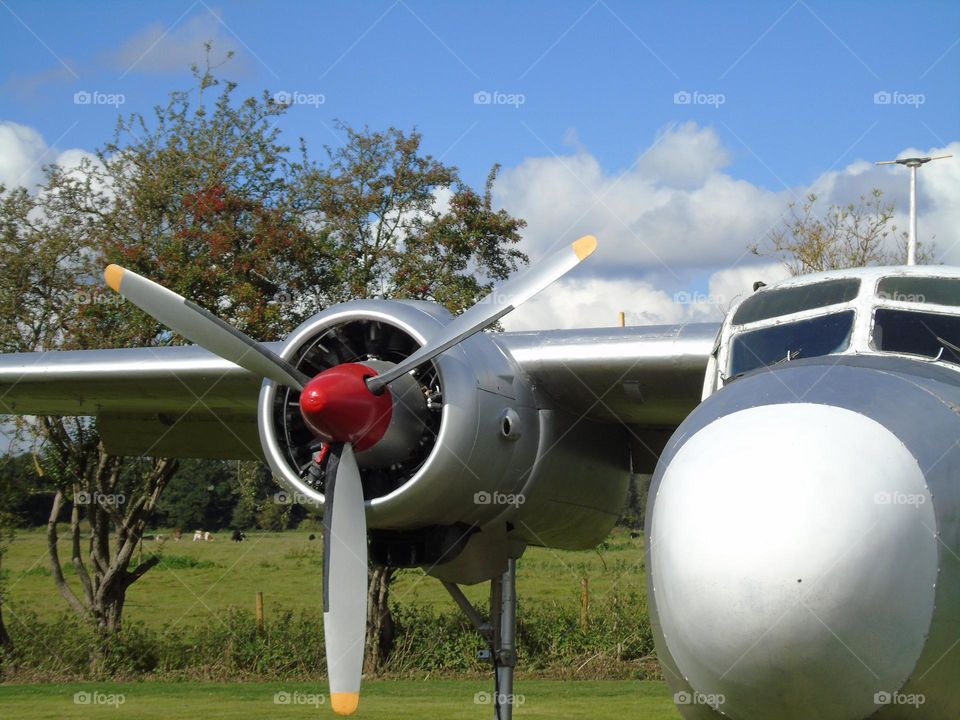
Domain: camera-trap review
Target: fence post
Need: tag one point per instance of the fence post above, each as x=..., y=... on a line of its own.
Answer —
x=584, y=603
x=259, y=613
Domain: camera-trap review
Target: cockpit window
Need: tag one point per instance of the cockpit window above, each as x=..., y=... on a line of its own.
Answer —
x=939, y=291
x=917, y=333
x=824, y=335
x=786, y=301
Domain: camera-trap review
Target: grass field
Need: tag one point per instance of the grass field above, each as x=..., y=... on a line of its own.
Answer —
x=383, y=700
x=197, y=580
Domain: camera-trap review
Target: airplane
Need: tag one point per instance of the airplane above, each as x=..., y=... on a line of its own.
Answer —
x=803, y=520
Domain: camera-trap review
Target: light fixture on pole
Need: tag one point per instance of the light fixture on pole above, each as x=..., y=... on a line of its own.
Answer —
x=913, y=163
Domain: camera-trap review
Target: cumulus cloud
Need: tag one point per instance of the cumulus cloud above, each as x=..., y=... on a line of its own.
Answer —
x=675, y=227
x=24, y=152
x=672, y=209
x=596, y=301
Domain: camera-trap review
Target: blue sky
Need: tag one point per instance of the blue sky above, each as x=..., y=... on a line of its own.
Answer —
x=782, y=93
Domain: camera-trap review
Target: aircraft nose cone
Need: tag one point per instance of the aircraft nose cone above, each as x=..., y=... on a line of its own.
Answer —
x=794, y=561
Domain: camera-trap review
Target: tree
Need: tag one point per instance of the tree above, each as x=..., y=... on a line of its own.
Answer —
x=195, y=197
x=201, y=495
x=843, y=236
x=204, y=198
x=378, y=198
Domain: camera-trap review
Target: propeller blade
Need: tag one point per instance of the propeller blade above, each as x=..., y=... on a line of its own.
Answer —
x=494, y=306
x=344, y=578
x=202, y=327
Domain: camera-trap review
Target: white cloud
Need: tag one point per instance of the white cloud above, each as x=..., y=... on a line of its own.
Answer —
x=595, y=302
x=672, y=209
x=24, y=152
x=158, y=48
x=674, y=228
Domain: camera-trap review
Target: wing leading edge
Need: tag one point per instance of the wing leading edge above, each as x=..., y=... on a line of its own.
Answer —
x=182, y=401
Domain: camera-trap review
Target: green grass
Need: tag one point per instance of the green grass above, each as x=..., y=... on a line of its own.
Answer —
x=454, y=699
x=198, y=580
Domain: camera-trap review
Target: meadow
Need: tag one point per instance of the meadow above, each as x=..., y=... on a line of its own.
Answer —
x=199, y=581
x=381, y=700
x=202, y=596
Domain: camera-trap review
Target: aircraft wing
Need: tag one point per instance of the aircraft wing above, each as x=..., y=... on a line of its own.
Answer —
x=184, y=401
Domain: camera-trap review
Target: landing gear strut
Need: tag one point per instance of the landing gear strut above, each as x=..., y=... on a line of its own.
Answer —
x=500, y=632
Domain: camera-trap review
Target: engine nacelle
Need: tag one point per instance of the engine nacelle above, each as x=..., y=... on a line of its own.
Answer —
x=480, y=431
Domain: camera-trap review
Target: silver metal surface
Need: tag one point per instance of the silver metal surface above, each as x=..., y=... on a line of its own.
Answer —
x=506, y=643
x=199, y=325
x=504, y=297
x=643, y=375
x=171, y=379
x=470, y=457
x=864, y=517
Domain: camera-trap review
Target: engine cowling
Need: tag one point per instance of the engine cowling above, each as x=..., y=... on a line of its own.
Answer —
x=463, y=428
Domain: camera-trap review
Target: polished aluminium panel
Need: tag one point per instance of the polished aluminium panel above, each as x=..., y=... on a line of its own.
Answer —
x=638, y=375
x=918, y=403
x=136, y=380
x=645, y=375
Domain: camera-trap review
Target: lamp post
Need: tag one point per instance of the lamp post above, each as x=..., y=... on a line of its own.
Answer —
x=913, y=163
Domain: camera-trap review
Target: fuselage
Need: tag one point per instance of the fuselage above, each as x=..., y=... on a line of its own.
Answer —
x=804, y=520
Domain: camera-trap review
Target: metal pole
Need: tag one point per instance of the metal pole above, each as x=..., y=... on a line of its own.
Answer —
x=912, y=246
x=507, y=649
x=913, y=163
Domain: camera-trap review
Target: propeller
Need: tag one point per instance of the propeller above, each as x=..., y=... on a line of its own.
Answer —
x=504, y=298
x=348, y=407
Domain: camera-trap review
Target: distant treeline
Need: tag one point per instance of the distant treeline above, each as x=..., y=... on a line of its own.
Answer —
x=212, y=495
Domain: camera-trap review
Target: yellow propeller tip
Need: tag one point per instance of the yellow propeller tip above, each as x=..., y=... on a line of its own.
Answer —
x=345, y=703
x=113, y=275
x=585, y=246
